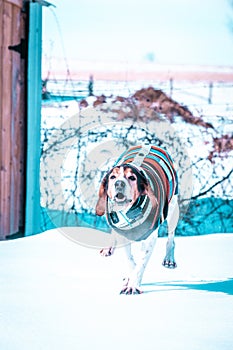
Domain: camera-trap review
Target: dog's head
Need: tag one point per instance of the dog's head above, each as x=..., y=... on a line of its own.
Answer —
x=123, y=185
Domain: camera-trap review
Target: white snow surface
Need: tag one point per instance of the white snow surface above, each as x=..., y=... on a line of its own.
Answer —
x=56, y=294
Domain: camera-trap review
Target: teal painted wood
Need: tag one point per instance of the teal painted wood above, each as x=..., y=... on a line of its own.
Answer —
x=32, y=222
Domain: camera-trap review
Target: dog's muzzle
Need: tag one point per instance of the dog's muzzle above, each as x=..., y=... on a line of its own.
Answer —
x=120, y=196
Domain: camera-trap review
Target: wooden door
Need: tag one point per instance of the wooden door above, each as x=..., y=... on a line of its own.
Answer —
x=12, y=117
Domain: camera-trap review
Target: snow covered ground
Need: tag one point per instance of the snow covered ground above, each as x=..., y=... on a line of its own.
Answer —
x=56, y=294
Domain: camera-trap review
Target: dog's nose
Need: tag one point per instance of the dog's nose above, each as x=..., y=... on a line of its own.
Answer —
x=119, y=185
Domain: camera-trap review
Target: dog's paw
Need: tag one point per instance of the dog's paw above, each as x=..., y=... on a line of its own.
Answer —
x=130, y=291
x=170, y=264
x=107, y=251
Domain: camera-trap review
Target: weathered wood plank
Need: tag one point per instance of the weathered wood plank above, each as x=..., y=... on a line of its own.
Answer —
x=1, y=103
x=5, y=167
x=12, y=118
x=22, y=130
x=16, y=112
x=17, y=3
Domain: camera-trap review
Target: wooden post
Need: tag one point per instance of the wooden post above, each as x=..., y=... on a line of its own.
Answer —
x=33, y=210
x=12, y=118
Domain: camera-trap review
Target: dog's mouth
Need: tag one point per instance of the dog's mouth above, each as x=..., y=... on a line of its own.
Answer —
x=120, y=198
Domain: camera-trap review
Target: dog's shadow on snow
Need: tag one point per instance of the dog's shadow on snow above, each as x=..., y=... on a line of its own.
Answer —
x=223, y=286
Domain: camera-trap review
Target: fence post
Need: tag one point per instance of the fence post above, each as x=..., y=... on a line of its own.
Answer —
x=171, y=86
x=210, y=93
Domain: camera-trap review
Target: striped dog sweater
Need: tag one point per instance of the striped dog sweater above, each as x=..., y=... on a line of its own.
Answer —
x=138, y=222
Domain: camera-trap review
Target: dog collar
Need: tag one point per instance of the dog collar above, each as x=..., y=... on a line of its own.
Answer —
x=129, y=218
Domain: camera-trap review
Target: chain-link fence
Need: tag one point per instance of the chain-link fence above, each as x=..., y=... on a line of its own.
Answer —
x=78, y=151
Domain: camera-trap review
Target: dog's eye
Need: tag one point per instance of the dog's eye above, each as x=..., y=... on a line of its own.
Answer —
x=132, y=178
x=112, y=177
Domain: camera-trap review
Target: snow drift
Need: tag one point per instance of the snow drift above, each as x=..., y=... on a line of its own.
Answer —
x=56, y=294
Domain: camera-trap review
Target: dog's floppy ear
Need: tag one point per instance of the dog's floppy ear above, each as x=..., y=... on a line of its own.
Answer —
x=101, y=204
x=149, y=192
x=145, y=188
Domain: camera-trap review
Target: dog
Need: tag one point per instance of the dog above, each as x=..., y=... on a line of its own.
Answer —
x=137, y=195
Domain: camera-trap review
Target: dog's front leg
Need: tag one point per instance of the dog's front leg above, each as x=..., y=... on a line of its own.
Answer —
x=133, y=281
x=109, y=250
x=172, y=221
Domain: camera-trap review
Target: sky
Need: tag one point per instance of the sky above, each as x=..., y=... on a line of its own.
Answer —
x=165, y=32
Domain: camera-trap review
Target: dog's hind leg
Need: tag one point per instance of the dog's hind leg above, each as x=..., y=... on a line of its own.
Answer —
x=172, y=221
